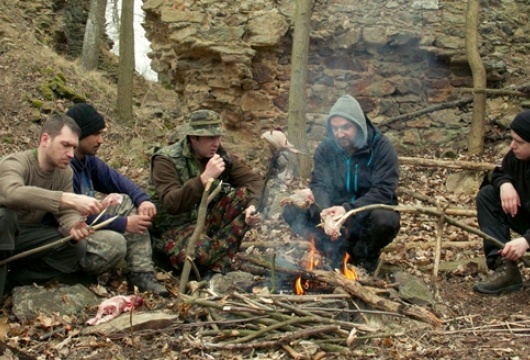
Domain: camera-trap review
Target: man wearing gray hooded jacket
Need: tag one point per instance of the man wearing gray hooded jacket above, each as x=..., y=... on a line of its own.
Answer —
x=354, y=166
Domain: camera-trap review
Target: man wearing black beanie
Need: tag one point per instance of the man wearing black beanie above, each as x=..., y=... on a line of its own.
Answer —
x=127, y=237
x=504, y=205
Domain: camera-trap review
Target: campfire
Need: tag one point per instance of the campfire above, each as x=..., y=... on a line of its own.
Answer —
x=300, y=287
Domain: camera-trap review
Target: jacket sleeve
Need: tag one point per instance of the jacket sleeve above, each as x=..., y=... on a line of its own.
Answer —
x=502, y=174
x=107, y=180
x=321, y=181
x=176, y=197
x=385, y=177
x=242, y=176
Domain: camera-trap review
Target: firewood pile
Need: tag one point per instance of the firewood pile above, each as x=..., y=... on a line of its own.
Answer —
x=330, y=317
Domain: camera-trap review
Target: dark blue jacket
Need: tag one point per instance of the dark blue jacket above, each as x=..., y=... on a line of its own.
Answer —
x=369, y=176
x=92, y=174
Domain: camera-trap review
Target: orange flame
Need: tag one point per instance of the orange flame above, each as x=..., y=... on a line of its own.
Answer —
x=350, y=274
x=298, y=286
x=311, y=261
x=310, y=264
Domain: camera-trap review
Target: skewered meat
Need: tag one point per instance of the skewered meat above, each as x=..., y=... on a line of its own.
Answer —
x=278, y=141
x=111, y=308
x=112, y=199
x=331, y=227
x=301, y=198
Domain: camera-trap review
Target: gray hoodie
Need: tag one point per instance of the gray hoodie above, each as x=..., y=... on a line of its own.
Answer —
x=347, y=107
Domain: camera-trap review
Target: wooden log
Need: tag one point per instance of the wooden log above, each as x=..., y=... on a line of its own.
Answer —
x=362, y=292
x=447, y=105
x=449, y=164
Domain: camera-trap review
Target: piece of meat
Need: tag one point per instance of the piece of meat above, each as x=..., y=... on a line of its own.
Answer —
x=278, y=141
x=301, y=198
x=112, y=199
x=331, y=227
x=111, y=308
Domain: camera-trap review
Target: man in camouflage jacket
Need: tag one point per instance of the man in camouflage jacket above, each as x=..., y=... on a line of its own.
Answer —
x=179, y=173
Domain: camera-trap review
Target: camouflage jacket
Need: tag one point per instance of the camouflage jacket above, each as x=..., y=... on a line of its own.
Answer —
x=176, y=189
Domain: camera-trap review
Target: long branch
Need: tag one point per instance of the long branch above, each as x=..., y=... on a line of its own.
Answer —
x=56, y=243
x=190, y=249
x=429, y=211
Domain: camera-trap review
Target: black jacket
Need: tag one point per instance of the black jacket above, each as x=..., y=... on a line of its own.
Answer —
x=517, y=172
x=369, y=176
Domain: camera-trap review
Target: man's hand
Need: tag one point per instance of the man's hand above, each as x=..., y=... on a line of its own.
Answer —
x=214, y=168
x=80, y=231
x=147, y=208
x=251, y=216
x=515, y=249
x=334, y=212
x=510, y=199
x=138, y=224
x=85, y=205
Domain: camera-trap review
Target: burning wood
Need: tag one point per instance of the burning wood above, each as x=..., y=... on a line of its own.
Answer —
x=301, y=286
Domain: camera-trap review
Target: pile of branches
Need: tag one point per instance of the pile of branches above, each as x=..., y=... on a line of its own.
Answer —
x=323, y=322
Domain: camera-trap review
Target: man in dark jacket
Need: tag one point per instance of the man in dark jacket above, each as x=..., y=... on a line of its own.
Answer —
x=356, y=165
x=107, y=248
x=504, y=205
x=179, y=173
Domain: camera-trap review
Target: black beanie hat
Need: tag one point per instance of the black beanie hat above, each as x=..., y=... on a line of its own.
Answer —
x=88, y=119
x=521, y=125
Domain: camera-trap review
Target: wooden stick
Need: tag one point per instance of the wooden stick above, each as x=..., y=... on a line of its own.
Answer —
x=356, y=289
x=190, y=249
x=449, y=164
x=273, y=273
x=56, y=243
x=437, y=252
x=497, y=92
x=429, y=211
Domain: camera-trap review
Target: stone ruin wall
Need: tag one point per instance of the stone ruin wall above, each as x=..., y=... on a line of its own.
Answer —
x=395, y=57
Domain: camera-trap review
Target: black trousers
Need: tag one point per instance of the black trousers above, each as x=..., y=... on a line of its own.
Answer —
x=363, y=235
x=493, y=221
x=40, y=267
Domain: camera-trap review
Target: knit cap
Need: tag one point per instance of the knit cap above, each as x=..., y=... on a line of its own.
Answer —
x=348, y=108
x=88, y=119
x=521, y=125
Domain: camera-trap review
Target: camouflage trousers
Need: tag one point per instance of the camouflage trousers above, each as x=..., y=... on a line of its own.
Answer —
x=224, y=230
x=106, y=249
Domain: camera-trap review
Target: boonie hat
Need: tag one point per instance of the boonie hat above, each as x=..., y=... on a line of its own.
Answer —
x=203, y=123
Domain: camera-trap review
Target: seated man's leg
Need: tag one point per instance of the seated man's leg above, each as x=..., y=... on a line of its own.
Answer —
x=8, y=232
x=369, y=234
x=494, y=222
x=105, y=249
x=46, y=265
x=176, y=243
x=139, y=254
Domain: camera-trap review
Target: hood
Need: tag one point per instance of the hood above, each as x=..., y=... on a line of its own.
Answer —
x=347, y=107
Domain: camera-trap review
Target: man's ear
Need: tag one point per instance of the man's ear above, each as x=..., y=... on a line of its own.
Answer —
x=45, y=139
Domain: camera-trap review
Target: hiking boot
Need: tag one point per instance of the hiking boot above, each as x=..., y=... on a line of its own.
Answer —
x=506, y=278
x=146, y=281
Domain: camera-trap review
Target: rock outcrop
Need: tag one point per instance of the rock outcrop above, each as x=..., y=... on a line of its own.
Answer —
x=395, y=57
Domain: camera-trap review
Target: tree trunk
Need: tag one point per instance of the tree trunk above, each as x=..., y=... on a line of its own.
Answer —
x=95, y=27
x=126, y=65
x=475, y=138
x=297, y=132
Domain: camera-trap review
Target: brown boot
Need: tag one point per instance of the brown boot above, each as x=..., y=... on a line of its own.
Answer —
x=506, y=278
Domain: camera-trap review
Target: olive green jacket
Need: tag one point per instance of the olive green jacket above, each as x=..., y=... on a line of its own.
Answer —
x=176, y=189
